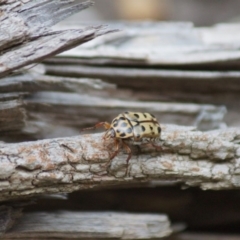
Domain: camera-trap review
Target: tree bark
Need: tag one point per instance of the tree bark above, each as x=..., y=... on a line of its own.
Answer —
x=179, y=45
x=26, y=28
x=85, y=225
x=206, y=159
x=32, y=103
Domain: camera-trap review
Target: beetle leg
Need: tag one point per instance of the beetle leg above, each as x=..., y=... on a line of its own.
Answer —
x=152, y=143
x=158, y=148
x=129, y=151
x=106, y=125
x=116, y=146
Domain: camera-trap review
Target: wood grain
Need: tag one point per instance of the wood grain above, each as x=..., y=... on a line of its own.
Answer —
x=191, y=157
x=85, y=225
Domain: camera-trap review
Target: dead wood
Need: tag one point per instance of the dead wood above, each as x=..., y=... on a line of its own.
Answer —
x=166, y=44
x=34, y=82
x=8, y=216
x=12, y=112
x=26, y=29
x=206, y=159
x=85, y=225
x=201, y=81
x=203, y=236
x=170, y=62
x=35, y=114
x=34, y=102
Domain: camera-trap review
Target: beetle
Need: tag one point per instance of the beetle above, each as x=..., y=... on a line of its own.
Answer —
x=131, y=127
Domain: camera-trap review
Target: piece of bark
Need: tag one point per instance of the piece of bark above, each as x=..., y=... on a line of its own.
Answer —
x=44, y=109
x=85, y=225
x=34, y=82
x=8, y=216
x=169, y=86
x=192, y=206
x=36, y=40
x=46, y=99
x=141, y=79
x=12, y=112
x=172, y=82
x=90, y=109
x=178, y=44
x=203, y=236
x=10, y=212
x=15, y=116
x=206, y=159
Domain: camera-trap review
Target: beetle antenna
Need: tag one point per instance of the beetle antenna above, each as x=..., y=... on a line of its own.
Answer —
x=98, y=125
x=86, y=129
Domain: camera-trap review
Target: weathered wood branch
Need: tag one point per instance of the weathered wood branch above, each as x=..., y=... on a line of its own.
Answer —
x=89, y=108
x=27, y=29
x=178, y=44
x=209, y=160
x=206, y=81
x=203, y=236
x=12, y=112
x=187, y=63
x=33, y=82
x=35, y=101
x=8, y=216
x=84, y=225
x=35, y=113
x=15, y=112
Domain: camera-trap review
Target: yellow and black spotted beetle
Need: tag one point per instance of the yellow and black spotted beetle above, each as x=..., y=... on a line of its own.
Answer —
x=133, y=127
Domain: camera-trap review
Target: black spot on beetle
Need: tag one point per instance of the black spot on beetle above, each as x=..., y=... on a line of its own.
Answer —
x=123, y=124
x=152, y=115
x=115, y=124
x=122, y=135
x=129, y=130
x=126, y=112
x=136, y=115
x=145, y=115
x=143, y=128
x=159, y=129
x=151, y=127
x=122, y=118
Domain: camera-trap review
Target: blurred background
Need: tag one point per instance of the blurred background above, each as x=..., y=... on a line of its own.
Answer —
x=201, y=13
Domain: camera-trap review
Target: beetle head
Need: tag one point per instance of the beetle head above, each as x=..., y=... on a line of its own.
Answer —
x=110, y=133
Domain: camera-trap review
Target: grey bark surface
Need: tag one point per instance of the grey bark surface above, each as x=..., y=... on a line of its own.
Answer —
x=12, y=112
x=31, y=104
x=164, y=44
x=8, y=216
x=150, y=78
x=182, y=63
x=85, y=225
x=209, y=160
x=31, y=36
x=203, y=236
